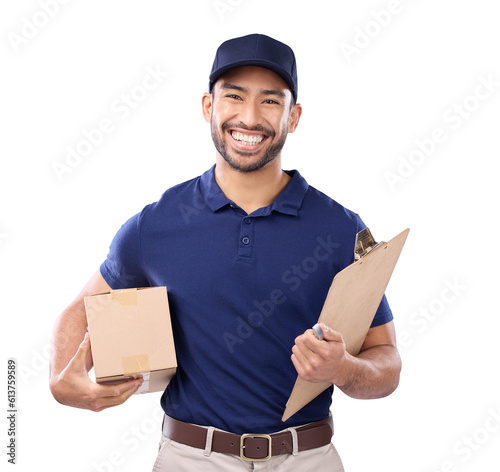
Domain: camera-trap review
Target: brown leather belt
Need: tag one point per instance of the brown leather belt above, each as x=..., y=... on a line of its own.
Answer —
x=251, y=447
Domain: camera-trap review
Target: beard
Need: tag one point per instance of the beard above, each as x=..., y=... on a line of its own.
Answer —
x=271, y=153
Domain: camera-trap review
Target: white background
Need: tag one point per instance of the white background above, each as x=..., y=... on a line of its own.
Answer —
x=371, y=84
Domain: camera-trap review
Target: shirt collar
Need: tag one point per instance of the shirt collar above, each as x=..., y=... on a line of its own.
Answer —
x=287, y=202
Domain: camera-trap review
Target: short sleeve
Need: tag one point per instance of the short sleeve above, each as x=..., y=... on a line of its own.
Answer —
x=123, y=266
x=383, y=314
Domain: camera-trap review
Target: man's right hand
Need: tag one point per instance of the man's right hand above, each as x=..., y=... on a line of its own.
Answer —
x=73, y=386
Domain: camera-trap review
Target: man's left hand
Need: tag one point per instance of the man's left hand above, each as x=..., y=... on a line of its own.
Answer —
x=320, y=361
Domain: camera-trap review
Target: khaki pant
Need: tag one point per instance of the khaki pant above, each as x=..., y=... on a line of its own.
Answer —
x=176, y=457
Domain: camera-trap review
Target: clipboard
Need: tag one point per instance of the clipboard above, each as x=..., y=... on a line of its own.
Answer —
x=351, y=304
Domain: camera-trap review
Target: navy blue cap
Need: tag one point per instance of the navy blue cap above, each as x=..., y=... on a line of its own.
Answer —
x=256, y=50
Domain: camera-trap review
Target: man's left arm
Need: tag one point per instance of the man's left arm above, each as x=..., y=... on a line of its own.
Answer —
x=373, y=373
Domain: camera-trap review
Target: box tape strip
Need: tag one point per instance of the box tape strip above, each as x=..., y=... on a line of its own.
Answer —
x=125, y=297
x=135, y=364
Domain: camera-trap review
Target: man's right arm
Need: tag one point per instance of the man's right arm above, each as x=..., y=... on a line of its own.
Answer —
x=71, y=359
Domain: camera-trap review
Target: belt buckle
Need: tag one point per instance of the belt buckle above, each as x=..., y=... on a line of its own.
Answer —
x=242, y=446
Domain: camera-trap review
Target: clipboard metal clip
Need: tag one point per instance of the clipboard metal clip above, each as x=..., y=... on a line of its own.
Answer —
x=365, y=244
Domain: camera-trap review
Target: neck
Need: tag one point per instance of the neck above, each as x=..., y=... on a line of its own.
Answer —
x=252, y=190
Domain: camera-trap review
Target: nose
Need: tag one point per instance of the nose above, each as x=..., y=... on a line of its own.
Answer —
x=249, y=114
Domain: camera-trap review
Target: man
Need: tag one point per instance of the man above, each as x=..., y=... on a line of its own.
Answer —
x=247, y=252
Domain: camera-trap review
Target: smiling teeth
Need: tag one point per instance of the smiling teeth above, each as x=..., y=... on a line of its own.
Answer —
x=245, y=139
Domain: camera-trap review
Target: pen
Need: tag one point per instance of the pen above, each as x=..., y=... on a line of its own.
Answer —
x=318, y=331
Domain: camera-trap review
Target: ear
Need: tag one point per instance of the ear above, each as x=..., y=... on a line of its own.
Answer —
x=206, y=105
x=294, y=118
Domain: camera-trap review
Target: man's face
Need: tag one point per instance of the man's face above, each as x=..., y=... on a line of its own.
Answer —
x=250, y=114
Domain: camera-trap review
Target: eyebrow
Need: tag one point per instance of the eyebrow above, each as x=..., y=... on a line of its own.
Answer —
x=279, y=93
x=230, y=86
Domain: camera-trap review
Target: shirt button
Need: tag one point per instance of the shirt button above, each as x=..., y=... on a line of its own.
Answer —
x=247, y=220
x=245, y=240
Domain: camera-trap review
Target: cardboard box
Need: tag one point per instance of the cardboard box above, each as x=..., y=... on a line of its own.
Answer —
x=131, y=337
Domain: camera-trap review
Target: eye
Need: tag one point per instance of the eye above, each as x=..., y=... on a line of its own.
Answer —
x=233, y=95
x=272, y=102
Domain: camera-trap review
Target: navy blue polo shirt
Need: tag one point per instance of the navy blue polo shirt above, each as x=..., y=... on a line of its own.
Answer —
x=241, y=288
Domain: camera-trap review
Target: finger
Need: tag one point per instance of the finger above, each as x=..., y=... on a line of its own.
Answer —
x=299, y=361
x=108, y=396
x=330, y=334
x=310, y=341
x=300, y=355
x=296, y=363
x=304, y=364
x=115, y=401
x=304, y=356
x=115, y=391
